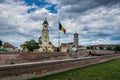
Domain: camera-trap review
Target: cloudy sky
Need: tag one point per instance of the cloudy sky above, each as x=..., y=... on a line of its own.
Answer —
x=96, y=21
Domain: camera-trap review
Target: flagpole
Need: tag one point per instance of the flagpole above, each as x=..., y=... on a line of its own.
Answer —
x=59, y=37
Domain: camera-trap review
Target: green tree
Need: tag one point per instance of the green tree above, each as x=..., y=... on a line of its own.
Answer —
x=58, y=49
x=101, y=47
x=117, y=48
x=109, y=48
x=88, y=47
x=31, y=45
x=0, y=43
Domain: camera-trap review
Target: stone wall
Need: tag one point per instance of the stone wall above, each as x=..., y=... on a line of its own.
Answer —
x=35, y=69
x=4, y=58
x=8, y=58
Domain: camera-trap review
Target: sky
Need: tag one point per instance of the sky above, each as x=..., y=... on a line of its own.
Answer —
x=96, y=21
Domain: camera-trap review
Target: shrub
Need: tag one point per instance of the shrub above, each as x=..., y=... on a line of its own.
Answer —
x=12, y=62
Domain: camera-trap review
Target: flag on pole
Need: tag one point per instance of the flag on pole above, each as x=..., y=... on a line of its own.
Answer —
x=62, y=28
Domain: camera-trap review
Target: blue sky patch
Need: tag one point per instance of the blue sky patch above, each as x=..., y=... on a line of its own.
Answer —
x=31, y=10
x=52, y=8
x=41, y=4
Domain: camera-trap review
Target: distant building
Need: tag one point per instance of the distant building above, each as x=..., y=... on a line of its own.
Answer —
x=64, y=47
x=44, y=43
x=23, y=48
x=103, y=46
x=9, y=47
x=80, y=47
x=76, y=40
x=73, y=46
x=70, y=46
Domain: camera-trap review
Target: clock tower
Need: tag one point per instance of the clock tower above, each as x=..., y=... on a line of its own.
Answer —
x=44, y=43
x=45, y=33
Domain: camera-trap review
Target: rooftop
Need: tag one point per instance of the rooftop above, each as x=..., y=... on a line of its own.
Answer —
x=8, y=45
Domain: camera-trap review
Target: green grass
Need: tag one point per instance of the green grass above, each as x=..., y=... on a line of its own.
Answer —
x=104, y=71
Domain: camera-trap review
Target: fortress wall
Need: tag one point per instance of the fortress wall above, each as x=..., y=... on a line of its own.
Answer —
x=8, y=58
x=29, y=70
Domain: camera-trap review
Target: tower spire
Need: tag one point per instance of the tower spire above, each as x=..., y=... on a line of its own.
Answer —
x=45, y=21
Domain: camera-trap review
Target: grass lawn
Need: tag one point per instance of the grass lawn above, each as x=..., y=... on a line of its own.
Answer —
x=104, y=71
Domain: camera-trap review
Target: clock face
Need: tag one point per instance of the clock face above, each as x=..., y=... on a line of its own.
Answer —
x=45, y=26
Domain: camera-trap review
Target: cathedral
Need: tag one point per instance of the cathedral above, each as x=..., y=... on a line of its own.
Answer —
x=44, y=43
x=46, y=46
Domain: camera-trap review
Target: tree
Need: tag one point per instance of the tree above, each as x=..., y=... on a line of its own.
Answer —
x=117, y=48
x=88, y=47
x=0, y=43
x=58, y=49
x=109, y=48
x=101, y=47
x=31, y=45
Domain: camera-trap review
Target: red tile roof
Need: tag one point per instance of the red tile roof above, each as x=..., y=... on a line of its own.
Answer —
x=22, y=45
x=64, y=44
x=80, y=46
x=7, y=45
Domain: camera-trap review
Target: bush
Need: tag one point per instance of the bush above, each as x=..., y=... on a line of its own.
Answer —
x=12, y=62
x=117, y=48
x=3, y=50
x=109, y=48
x=58, y=49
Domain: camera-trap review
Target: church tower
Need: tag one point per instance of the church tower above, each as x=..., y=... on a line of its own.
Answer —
x=76, y=40
x=44, y=43
x=45, y=33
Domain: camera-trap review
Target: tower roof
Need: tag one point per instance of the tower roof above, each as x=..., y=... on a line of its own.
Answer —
x=76, y=34
x=45, y=21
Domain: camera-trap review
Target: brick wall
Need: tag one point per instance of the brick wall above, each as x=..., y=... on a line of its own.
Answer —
x=24, y=71
x=7, y=58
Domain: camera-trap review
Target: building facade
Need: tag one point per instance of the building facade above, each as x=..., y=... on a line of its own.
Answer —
x=44, y=43
x=9, y=47
x=23, y=48
x=73, y=46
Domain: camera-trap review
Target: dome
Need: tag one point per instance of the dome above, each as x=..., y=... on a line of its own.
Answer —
x=45, y=22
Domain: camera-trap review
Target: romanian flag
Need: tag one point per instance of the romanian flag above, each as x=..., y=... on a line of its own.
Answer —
x=62, y=28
